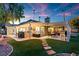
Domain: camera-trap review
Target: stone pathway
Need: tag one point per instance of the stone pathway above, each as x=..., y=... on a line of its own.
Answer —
x=47, y=48
x=6, y=50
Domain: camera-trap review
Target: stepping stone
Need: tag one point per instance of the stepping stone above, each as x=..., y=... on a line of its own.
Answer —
x=50, y=52
x=47, y=47
x=44, y=45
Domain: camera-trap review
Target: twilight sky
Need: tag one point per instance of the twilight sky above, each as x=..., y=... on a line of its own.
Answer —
x=53, y=10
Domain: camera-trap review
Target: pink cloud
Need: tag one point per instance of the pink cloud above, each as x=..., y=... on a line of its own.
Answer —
x=43, y=7
x=40, y=8
x=43, y=14
x=66, y=14
x=28, y=16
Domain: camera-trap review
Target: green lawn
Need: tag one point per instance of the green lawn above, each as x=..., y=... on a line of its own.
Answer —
x=34, y=47
x=27, y=48
x=61, y=47
x=74, y=44
x=58, y=46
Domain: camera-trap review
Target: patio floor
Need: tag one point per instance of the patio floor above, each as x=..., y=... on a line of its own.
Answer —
x=44, y=37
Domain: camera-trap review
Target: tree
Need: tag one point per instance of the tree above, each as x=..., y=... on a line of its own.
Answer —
x=75, y=23
x=19, y=12
x=10, y=12
x=3, y=16
x=16, y=11
x=47, y=21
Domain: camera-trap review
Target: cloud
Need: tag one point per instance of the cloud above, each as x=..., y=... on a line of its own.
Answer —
x=43, y=14
x=66, y=14
x=61, y=5
x=40, y=8
x=28, y=16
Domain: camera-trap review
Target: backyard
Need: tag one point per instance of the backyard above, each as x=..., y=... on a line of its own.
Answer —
x=27, y=48
x=34, y=47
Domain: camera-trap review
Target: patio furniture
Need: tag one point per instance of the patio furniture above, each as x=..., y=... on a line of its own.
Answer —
x=36, y=35
x=21, y=35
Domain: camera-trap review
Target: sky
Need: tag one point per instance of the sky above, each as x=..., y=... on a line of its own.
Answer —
x=53, y=10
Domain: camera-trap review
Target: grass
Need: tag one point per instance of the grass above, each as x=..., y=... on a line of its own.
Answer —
x=74, y=44
x=27, y=48
x=61, y=47
x=58, y=46
x=34, y=47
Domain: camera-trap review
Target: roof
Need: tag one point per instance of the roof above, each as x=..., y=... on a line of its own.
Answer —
x=55, y=24
x=49, y=24
x=28, y=21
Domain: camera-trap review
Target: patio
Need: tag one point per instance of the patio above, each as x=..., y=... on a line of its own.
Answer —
x=44, y=37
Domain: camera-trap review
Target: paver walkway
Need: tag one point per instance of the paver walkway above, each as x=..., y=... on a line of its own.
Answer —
x=5, y=50
x=47, y=48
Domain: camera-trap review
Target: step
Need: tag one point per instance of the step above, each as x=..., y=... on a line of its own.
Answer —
x=44, y=45
x=47, y=47
x=50, y=52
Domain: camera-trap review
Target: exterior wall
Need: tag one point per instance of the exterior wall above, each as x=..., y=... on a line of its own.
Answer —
x=9, y=30
x=36, y=28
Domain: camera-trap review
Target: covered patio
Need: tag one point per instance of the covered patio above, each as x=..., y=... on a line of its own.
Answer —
x=32, y=29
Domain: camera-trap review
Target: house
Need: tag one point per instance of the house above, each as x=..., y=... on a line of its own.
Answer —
x=36, y=28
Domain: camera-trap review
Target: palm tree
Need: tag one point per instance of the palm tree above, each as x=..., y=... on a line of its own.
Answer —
x=47, y=21
x=16, y=11
x=19, y=12
x=3, y=16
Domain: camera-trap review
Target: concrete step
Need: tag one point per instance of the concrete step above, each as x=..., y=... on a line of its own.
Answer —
x=47, y=47
x=50, y=52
